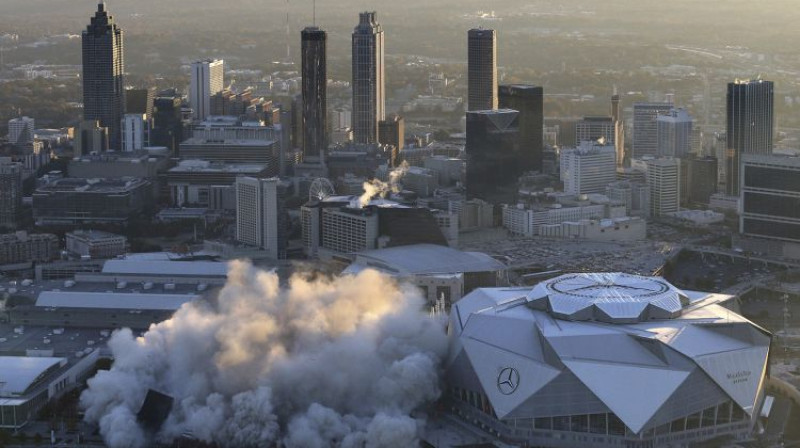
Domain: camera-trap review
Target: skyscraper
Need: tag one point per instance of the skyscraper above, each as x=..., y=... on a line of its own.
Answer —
x=392, y=132
x=314, y=90
x=261, y=215
x=369, y=90
x=103, y=74
x=702, y=179
x=494, y=158
x=528, y=100
x=771, y=199
x=749, y=125
x=481, y=69
x=10, y=193
x=592, y=129
x=135, y=132
x=21, y=130
x=664, y=180
x=674, y=133
x=588, y=168
x=207, y=79
x=139, y=101
x=645, y=129
x=167, y=124
x=619, y=130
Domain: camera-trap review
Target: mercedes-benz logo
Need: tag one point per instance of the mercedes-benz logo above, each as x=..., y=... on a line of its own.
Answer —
x=508, y=381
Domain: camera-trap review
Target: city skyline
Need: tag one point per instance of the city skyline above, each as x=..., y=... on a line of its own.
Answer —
x=425, y=230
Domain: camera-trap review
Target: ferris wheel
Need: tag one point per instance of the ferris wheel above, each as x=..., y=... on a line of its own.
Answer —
x=320, y=189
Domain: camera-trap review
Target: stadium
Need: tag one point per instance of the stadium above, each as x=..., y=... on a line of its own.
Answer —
x=605, y=360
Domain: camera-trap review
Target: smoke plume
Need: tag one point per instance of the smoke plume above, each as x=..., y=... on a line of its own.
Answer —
x=349, y=362
x=377, y=187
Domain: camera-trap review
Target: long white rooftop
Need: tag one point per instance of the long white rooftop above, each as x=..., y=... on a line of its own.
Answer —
x=113, y=300
x=18, y=373
x=166, y=268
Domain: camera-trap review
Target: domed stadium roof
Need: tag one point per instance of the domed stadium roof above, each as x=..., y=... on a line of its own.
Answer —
x=608, y=297
x=635, y=347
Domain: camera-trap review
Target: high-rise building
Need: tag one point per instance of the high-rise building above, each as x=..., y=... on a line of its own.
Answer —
x=674, y=133
x=260, y=215
x=481, y=69
x=135, y=132
x=770, y=197
x=619, y=130
x=90, y=138
x=207, y=79
x=369, y=91
x=21, y=130
x=392, y=132
x=314, y=91
x=664, y=180
x=494, y=158
x=749, y=125
x=10, y=193
x=139, y=101
x=528, y=100
x=645, y=128
x=592, y=129
x=167, y=122
x=588, y=168
x=103, y=74
x=702, y=179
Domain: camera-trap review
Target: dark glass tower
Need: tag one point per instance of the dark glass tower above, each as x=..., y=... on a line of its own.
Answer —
x=528, y=100
x=494, y=157
x=749, y=125
x=369, y=91
x=481, y=70
x=103, y=74
x=314, y=73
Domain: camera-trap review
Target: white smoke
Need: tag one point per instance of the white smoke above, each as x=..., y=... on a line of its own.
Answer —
x=377, y=187
x=331, y=362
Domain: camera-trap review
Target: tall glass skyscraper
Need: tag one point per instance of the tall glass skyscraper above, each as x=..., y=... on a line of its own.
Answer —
x=481, y=69
x=369, y=92
x=749, y=125
x=528, y=100
x=103, y=74
x=314, y=91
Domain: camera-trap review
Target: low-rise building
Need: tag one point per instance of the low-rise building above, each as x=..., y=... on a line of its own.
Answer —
x=618, y=229
x=208, y=184
x=81, y=201
x=96, y=244
x=21, y=247
x=522, y=221
x=442, y=273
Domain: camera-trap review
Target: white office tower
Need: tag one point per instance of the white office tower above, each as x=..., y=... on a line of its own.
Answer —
x=20, y=130
x=663, y=178
x=674, y=133
x=207, y=79
x=588, y=168
x=135, y=132
x=258, y=214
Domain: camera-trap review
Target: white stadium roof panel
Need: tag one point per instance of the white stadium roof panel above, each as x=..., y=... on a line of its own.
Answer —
x=425, y=259
x=18, y=373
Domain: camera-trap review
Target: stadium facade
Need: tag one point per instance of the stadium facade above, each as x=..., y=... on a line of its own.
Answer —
x=605, y=360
